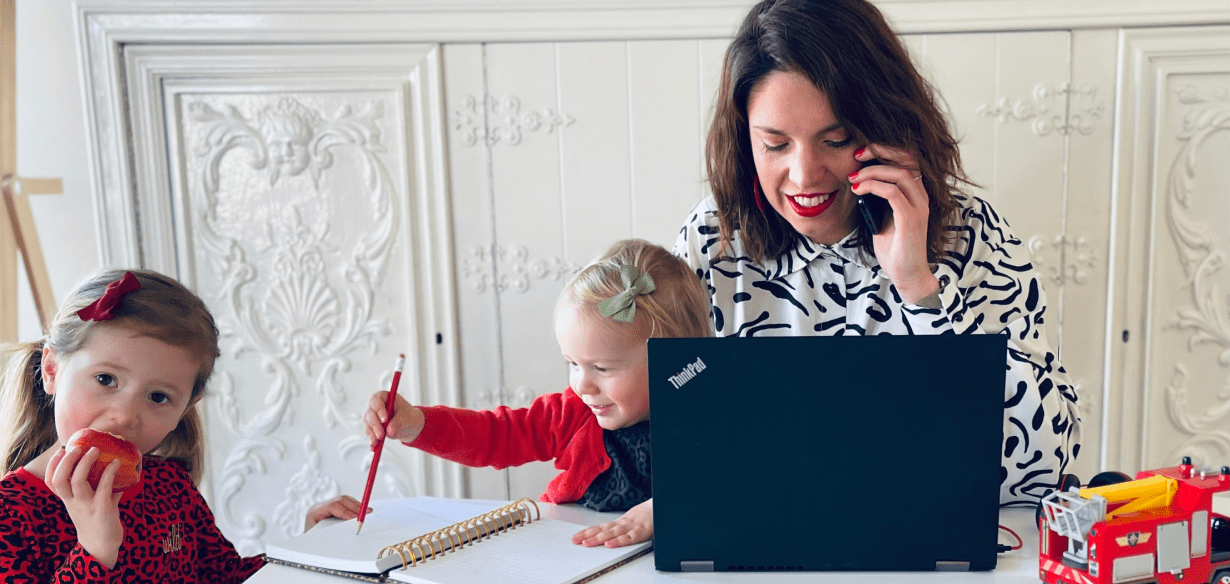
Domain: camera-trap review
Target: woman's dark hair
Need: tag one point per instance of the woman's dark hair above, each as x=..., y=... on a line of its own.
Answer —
x=852, y=56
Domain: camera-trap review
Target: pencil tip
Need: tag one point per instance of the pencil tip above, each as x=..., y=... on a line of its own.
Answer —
x=360, y=528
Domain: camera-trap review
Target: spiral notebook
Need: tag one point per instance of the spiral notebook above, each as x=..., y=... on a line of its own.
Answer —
x=427, y=540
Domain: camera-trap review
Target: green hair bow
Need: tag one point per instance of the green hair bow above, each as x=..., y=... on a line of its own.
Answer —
x=622, y=306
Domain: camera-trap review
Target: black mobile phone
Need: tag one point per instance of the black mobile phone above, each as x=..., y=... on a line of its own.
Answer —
x=872, y=207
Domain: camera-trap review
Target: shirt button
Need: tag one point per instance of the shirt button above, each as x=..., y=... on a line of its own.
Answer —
x=957, y=318
x=943, y=281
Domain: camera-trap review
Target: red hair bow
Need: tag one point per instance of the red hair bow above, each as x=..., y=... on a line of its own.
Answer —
x=104, y=307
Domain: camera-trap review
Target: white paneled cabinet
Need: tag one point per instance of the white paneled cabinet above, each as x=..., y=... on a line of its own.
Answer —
x=425, y=178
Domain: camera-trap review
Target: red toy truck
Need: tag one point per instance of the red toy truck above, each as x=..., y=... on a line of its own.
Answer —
x=1158, y=528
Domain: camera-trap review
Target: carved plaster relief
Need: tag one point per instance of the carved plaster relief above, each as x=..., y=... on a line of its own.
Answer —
x=501, y=121
x=1076, y=258
x=519, y=397
x=1205, y=320
x=1064, y=109
x=509, y=268
x=306, y=487
x=297, y=289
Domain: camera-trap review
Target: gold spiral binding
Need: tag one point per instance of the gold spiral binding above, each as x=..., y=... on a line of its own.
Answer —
x=457, y=535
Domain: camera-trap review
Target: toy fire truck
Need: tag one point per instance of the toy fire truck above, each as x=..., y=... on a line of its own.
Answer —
x=1158, y=528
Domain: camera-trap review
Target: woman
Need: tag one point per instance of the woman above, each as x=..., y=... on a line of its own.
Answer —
x=818, y=107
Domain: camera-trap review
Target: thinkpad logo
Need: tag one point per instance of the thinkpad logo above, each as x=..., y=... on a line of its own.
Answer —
x=687, y=374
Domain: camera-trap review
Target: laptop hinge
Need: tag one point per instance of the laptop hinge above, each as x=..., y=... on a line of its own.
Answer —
x=949, y=566
x=696, y=565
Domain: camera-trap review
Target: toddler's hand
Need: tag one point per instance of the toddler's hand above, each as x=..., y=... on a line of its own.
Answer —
x=634, y=527
x=405, y=426
x=96, y=514
x=344, y=507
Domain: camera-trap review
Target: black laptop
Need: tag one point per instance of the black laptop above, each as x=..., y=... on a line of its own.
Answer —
x=827, y=453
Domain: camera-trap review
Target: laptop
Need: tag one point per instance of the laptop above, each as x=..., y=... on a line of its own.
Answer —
x=826, y=453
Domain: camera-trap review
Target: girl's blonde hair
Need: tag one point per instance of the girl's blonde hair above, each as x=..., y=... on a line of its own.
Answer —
x=161, y=309
x=678, y=307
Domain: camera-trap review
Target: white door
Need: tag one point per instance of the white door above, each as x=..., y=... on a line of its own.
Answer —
x=299, y=191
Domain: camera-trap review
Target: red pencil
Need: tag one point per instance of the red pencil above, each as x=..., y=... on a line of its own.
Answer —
x=371, y=472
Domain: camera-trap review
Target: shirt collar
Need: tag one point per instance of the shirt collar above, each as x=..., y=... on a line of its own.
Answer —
x=806, y=251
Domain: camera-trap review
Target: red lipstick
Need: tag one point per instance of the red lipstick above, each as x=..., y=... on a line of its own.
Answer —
x=812, y=211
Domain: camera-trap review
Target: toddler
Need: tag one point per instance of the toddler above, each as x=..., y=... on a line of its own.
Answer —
x=596, y=430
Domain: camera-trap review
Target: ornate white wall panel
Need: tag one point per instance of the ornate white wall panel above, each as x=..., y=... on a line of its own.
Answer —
x=1169, y=394
x=300, y=191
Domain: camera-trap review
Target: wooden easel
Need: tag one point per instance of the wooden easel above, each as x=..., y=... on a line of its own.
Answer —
x=18, y=235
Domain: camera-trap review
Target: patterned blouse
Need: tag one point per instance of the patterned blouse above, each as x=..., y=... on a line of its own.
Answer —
x=987, y=286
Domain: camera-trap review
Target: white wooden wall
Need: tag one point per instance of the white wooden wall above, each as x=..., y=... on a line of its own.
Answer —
x=454, y=172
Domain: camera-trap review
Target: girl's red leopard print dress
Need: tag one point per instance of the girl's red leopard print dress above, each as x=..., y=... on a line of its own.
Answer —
x=169, y=534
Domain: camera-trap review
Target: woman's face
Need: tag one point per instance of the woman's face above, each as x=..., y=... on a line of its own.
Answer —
x=803, y=156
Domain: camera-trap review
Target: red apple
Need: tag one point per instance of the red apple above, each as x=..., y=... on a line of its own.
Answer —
x=110, y=447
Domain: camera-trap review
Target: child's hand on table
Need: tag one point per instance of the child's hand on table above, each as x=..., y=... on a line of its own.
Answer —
x=634, y=527
x=344, y=507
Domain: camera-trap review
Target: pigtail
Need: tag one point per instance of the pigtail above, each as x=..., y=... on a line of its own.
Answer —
x=27, y=413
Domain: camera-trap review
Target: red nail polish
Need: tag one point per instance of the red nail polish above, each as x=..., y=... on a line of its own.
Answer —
x=854, y=186
x=859, y=152
x=852, y=175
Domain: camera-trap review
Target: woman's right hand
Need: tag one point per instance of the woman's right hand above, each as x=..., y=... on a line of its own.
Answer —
x=901, y=246
x=95, y=513
x=405, y=425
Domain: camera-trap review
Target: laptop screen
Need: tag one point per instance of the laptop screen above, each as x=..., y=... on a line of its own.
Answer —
x=826, y=453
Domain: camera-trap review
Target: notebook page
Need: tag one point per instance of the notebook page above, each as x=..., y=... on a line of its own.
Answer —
x=539, y=553
x=336, y=547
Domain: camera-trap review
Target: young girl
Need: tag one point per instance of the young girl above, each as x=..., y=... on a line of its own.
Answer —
x=597, y=430
x=129, y=353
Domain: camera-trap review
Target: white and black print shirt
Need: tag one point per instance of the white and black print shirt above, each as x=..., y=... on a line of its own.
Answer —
x=987, y=287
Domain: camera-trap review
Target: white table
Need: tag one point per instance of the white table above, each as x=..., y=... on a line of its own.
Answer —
x=1014, y=567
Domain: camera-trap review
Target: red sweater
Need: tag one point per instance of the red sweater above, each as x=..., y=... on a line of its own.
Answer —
x=169, y=534
x=556, y=426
